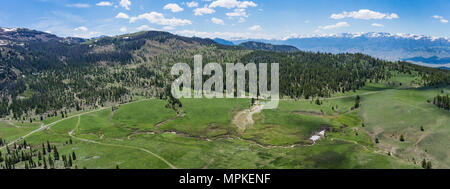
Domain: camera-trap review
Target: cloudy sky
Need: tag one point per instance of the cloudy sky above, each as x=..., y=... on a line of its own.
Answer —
x=228, y=18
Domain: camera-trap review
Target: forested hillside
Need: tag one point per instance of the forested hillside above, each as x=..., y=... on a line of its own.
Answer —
x=42, y=75
x=322, y=74
x=268, y=47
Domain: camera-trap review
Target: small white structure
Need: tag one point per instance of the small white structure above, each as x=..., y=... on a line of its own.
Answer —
x=316, y=137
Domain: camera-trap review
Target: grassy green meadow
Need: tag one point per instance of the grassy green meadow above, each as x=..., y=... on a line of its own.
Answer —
x=147, y=135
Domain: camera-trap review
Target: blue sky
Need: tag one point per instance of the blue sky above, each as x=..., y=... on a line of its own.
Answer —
x=229, y=18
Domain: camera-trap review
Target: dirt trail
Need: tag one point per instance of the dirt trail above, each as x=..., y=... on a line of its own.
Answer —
x=48, y=126
x=171, y=119
x=350, y=141
x=421, y=138
x=156, y=126
x=117, y=145
x=76, y=126
x=129, y=147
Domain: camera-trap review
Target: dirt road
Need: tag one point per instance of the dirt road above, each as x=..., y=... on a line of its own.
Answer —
x=43, y=127
x=71, y=134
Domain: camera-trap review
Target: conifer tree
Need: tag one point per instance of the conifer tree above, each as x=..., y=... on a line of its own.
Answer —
x=424, y=163
x=45, y=164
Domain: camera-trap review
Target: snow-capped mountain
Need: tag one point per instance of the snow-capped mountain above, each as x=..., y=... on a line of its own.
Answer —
x=371, y=35
x=387, y=46
x=8, y=29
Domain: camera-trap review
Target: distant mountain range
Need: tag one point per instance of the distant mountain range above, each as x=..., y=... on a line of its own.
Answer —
x=223, y=41
x=420, y=49
x=433, y=61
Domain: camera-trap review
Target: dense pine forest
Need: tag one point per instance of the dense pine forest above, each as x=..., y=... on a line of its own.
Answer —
x=42, y=75
x=442, y=102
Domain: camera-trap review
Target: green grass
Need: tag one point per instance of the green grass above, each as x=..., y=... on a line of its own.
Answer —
x=207, y=117
x=10, y=132
x=143, y=115
x=192, y=152
x=393, y=113
x=95, y=156
x=337, y=155
x=398, y=80
x=282, y=126
x=207, y=138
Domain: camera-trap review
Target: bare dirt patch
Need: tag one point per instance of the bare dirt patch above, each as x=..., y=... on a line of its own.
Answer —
x=244, y=119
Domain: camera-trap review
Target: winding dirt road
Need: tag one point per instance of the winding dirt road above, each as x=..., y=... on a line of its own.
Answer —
x=118, y=145
x=44, y=127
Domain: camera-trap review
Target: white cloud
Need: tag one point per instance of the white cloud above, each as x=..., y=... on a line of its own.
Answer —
x=168, y=28
x=217, y=21
x=104, y=4
x=334, y=26
x=81, y=28
x=440, y=18
x=365, y=14
x=237, y=13
x=123, y=29
x=255, y=28
x=377, y=25
x=78, y=5
x=245, y=4
x=229, y=4
x=203, y=11
x=125, y=4
x=144, y=28
x=158, y=18
x=122, y=15
x=224, y=35
x=86, y=34
x=173, y=7
x=192, y=4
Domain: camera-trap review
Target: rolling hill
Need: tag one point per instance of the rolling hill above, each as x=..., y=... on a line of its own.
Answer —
x=268, y=47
